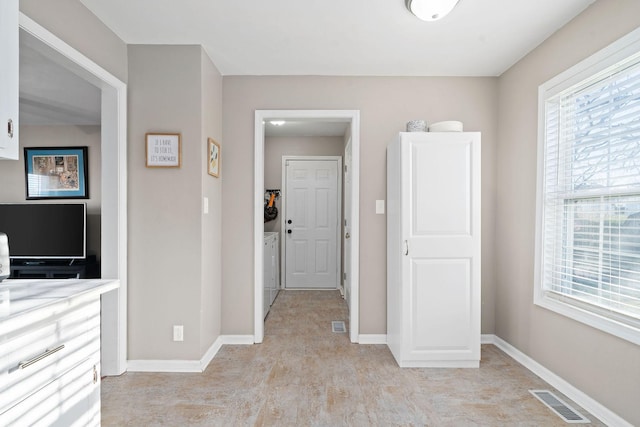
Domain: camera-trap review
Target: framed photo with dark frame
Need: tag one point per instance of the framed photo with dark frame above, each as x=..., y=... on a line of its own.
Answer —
x=56, y=173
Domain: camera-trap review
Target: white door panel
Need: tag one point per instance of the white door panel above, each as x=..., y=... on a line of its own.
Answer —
x=450, y=279
x=441, y=209
x=311, y=237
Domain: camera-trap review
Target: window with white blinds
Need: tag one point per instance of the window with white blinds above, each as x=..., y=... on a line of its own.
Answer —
x=588, y=254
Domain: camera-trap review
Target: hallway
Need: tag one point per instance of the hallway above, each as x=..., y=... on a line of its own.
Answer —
x=303, y=374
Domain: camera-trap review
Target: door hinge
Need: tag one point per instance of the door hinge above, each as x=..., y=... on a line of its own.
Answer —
x=344, y=276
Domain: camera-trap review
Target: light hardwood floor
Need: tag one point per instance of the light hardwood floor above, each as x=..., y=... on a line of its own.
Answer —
x=305, y=375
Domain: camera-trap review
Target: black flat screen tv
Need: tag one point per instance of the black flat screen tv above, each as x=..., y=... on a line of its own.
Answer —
x=45, y=231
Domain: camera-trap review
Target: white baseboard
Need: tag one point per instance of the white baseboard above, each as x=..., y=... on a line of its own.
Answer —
x=593, y=406
x=188, y=365
x=372, y=339
x=487, y=339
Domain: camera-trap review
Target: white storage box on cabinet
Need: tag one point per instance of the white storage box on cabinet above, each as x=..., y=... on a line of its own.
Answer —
x=433, y=249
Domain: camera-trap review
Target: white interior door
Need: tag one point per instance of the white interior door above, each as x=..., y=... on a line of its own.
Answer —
x=348, y=166
x=311, y=220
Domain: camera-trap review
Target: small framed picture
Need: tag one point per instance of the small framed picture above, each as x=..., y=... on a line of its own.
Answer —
x=213, y=157
x=163, y=150
x=56, y=173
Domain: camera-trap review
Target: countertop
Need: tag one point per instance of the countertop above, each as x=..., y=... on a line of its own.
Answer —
x=22, y=301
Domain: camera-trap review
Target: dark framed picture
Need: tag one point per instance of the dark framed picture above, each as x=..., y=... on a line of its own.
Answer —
x=56, y=173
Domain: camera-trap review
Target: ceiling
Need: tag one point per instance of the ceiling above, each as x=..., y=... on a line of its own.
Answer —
x=343, y=37
x=310, y=37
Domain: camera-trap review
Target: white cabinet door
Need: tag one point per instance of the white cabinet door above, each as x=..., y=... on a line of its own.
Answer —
x=9, y=90
x=434, y=315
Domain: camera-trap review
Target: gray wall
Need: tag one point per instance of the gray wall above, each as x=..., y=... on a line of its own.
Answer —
x=385, y=105
x=170, y=240
x=604, y=367
x=12, y=175
x=276, y=147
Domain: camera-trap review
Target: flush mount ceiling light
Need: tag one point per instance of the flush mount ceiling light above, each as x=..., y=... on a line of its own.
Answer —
x=277, y=122
x=431, y=10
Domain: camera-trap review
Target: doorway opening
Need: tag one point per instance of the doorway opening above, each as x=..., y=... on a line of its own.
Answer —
x=350, y=120
x=113, y=160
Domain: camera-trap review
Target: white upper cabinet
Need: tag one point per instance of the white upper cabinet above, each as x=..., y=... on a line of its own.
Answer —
x=9, y=88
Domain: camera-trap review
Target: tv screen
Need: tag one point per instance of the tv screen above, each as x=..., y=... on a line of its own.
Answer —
x=45, y=231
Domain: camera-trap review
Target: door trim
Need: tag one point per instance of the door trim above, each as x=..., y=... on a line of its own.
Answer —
x=283, y=225
x=351, y=116
x=114, y=192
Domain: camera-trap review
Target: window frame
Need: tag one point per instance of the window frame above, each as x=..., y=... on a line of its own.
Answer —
x=593, y=316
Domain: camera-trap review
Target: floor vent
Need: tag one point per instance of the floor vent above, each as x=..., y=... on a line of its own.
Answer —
x=338, y=327
x=564, y=411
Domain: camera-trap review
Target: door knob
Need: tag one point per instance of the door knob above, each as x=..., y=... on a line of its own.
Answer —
x=347, y=236
x=289, y=231
x=289, y=222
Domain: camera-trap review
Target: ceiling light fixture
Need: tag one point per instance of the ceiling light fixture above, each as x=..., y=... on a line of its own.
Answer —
x=431, y=10
x=277, y=122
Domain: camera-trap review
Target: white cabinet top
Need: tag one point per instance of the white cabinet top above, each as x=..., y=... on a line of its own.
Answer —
x=26, y=301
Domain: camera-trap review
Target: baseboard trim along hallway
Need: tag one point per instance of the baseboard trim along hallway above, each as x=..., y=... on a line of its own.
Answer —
x=189, y=365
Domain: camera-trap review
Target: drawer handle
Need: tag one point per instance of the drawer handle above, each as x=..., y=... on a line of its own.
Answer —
x=38, y=358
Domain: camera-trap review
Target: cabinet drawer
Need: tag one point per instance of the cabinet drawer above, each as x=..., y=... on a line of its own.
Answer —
x=71, y=400
x=34, y=358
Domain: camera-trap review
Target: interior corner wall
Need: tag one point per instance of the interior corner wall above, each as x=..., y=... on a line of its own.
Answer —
x=211, y=294
x=604, y=367
x=165, y=205
x=385, y=104
x=76, y=25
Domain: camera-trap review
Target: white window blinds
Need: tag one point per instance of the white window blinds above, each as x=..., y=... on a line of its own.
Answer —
x=591, y=193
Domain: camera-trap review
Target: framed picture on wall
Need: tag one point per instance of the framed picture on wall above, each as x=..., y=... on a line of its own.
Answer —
x=56, y=173
x=213, y=157
x=163, y=150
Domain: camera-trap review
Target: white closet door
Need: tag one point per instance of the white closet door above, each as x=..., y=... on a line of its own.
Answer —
x=441, y=265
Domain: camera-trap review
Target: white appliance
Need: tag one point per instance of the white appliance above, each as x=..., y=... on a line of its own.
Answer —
x=271, y=280
x=433, y=249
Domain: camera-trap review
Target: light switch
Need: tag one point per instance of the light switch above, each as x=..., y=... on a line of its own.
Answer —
x=380, y=207
x=206, y=205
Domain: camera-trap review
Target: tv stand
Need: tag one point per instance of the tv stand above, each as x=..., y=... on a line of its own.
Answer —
x=87, y=268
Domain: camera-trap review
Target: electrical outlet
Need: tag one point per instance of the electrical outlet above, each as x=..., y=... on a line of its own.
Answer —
x=178, y=333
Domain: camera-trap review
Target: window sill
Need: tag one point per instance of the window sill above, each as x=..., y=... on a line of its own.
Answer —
x=559, y=305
